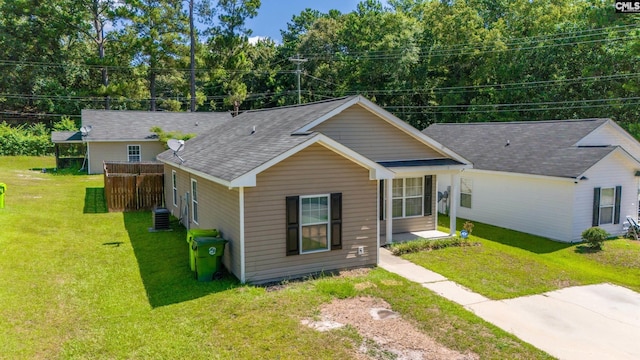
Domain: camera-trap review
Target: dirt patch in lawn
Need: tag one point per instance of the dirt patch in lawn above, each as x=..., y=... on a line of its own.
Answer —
x=385, y=334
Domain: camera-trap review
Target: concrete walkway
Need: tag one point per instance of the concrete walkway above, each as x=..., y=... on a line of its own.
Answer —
x=582, y=322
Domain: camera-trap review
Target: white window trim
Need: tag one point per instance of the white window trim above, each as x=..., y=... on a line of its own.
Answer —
x=328, y=223
x=470, y=182
x=404, y=198
x=612, y=206
x=129, y=152
x=174, y=187
x=194, y=201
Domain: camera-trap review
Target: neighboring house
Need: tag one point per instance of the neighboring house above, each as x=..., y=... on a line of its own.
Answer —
x=304, y=189
x=126, y=136
x=550, y=178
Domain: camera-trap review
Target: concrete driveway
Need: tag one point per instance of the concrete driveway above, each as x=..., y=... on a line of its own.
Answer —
x=583, y=322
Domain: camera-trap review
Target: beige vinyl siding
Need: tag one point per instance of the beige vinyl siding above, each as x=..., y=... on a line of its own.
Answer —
x=117, y=151
x=315, y=170
x=419, y=223
x=218, y=208
x=378, y=140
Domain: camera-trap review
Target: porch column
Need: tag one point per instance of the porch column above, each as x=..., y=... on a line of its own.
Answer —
x=454, y=200
x=389, y=210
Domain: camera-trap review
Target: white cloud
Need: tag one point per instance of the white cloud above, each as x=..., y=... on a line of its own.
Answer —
x=254, y=39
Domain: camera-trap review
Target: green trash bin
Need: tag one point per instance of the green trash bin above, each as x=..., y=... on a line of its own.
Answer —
x=192, y=234
x=208, y=253
x=3, y=190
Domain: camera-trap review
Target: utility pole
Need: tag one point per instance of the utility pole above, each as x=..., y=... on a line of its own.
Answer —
x=297, y=60
x=193, y=58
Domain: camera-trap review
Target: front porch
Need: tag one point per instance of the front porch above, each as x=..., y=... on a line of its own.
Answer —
x=413, y=235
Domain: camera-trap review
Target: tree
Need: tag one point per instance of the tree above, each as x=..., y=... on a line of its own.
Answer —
x=155, y=29
x=228, y=46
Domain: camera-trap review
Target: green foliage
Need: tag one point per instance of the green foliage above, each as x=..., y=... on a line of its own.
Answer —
x=428, y=245
x=65, y=124
x=30, y=140
x=424, y=61
x=165, y=136
x=595, y=237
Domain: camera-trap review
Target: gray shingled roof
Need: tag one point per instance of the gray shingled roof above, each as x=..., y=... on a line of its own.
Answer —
x=230, y=150
x=119, y=125
x=534, y=147
x=66, y=136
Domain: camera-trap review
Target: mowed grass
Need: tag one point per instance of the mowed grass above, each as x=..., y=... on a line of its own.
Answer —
x=80, y=283
x=509, y=264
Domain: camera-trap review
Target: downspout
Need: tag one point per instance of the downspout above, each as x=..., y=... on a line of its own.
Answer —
x=454, y=198
x=389, y=211
x=242, y=255
x=378, y=224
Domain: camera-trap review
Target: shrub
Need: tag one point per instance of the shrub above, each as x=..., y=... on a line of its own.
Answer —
x=425, y=244
x=24, y=140
x=595, y=237
x=468, y=226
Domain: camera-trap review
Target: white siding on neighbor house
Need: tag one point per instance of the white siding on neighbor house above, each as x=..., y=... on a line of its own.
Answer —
x=615, y=170
x=117, y=151
x=315, y=170
x=218, y=208
x=610, y=135
x=373, y=137
x=535, y=205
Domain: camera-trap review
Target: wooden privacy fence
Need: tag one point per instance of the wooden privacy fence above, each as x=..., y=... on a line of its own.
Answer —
x=133, y=186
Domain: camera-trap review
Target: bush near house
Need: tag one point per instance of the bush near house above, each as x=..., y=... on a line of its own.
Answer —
x=427, y=245
x=595, y=237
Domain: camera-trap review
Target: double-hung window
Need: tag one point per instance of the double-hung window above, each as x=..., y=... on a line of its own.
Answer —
x=133, y=153
x=466, y=190
x=408, y=197
x=194, y=200
x=314, y=223
x=606, y=205
x=607, y=202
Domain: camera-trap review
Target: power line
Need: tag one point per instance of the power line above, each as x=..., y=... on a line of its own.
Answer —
x=519, y=110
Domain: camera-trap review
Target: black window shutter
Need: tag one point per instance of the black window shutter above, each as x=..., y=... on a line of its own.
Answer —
x=616, y=214
x=428, y=190
x=293, y=225
x=595, y=221
x=381, y=199
x=336, y=221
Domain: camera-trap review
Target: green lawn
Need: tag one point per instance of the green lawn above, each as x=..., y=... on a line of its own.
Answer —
x=80, y=283
x=508, y=264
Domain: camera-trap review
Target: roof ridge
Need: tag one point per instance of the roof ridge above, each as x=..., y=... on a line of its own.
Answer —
x=300, y=105
x=158, y=112
x=525, y=122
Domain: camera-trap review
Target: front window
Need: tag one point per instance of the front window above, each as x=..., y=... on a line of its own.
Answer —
x=466, y=189
x=408, y=197
x=607, y=201
x=314, y=224
x=194, y=200
x=133, y=153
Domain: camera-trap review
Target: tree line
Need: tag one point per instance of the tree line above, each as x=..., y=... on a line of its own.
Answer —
x=423, y=60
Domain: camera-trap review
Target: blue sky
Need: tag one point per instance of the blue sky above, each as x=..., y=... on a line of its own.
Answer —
x=274, y=15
